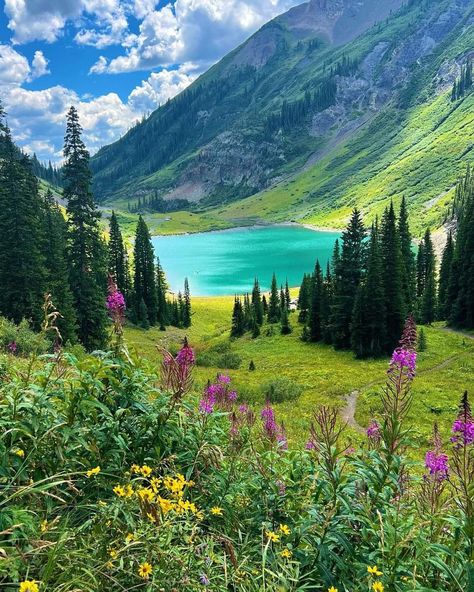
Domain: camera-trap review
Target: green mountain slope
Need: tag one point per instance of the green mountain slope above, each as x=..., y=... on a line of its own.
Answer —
x=309, y=121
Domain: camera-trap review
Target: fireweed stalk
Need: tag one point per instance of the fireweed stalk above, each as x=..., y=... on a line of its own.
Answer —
x=116, y=307
x=435, y=478
x=176, y=374
x=462, y=465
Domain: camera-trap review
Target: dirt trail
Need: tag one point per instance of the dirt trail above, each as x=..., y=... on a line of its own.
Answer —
x=349, y=410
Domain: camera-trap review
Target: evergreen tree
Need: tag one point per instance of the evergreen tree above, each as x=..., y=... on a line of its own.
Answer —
x=283, y=304
x=315, y=325
x=444, y=304
x=186, y=305
x=161, y=288
x=255, y=328
x=57, y=271
x=274, y=311
x=144, y=285
x=284, y=321
x=264, y=305
x=238, y=321
x=21, y=262
x=369, y=315
x=393, y=279
x=304, y=299
x=117, y=256
x=287, y=295
x=248, y=313
x=180, y=305
x=348, y=269
x=428, y=297
x=420, y=270
x=257, y=304
x=408, y=259
x=252, y=366
x=87, y=253
x=461, y=290
x=422, y=343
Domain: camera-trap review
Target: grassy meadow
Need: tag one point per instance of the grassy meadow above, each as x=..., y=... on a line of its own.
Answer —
x=445, y=370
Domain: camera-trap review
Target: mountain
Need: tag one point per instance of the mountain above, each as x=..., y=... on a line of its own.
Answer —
x=333, y=104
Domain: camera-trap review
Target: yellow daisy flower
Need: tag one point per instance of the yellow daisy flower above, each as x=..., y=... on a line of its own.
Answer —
x=44, y=526
x=374, y=571
x=29, y=586
x=272, y=536
x=145, y=570
x=377, y=587
x=284, y=529
x=332, y=589
x=286, y=554
x=92, y=472
x=216, y=511
x=20, y=452
x=146, y=471
x=113, y=553
x=130, y=537
x=119, y=490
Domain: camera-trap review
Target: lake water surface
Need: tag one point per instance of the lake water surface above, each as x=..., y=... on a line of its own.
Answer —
x=226, y=262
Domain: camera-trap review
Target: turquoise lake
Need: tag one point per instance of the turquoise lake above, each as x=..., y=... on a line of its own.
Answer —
x=226, y=262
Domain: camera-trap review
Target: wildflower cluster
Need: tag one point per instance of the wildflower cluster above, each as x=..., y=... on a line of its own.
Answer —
x=274, y=432
x=176, y=372
x=116, y=306
x=218, y=395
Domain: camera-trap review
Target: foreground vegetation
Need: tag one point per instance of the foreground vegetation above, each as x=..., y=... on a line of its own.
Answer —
x=120, y=475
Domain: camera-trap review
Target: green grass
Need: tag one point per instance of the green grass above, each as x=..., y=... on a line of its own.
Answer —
x=326, y=376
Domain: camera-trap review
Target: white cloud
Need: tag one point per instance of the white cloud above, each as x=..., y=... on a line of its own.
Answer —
x=39, y=65
x=191, y=30
x=14, y=68
x=161, y=86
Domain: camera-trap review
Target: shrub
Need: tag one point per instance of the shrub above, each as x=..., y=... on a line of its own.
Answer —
x=20, y=339
x=281, y=390
x=219, y=356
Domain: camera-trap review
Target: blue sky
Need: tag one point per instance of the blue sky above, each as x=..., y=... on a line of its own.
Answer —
x=114, y=59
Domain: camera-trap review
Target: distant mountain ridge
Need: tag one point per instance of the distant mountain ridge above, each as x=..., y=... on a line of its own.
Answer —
x=305, y=86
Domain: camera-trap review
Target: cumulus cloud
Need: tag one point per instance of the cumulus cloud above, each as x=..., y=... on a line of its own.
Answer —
x=190, y=30
x=39, y=65
x=161, y=86
x=14, y=68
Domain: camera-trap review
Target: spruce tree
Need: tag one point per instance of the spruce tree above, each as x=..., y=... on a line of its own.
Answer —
x=144, y=285
x=161, y=289
x=444, y=303
x=87, y=253
x=117, y=259
x=284, y=321
x=283, y=303
x=257, y=305
x=264, y=305
x=22, y=269
x=274, y=311
x=186, y=305
x=315, y=327
x=57, y=270
x=349, y=270
x=180, y=305
x=304, y=299
x=393, y=279
x=428, y=297
x=369, y=315
x=238, y=321
x=408, y=259
x=287, y=295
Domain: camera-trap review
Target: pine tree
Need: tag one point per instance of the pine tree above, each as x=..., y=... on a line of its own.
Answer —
x=304, y=299
x=117, y=256
x=369, y=315
x=393, y=279
x=461, y=290
x=252, y=366
x=87, y=253
x=144, y=285
x=238, y=321
x=186, y=305
x=348, y=269
x=180, y=305
x=264, y=305
x=284, y=321
x=22, y=270
x=161, y=288
x=428, y=296
x=315, y=325
x=444, y=304
x=287, y=295
x=274, y=310
x=257, y=303
x=57, y=271
x=283, y=304
x=408, y=259
x=422, y=343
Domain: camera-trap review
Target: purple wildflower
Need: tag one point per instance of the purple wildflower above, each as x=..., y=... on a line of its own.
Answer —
x=185, y=355
x=116, y=306
x=463, y=427
x=222, y=378
x=311, y=444
x=206, y=405
x=12, y=347
x=373, y=431
x=244, y=409
x=204, y=580
x=437, y=463
x=281, y=487
x=232, y=396
x=270, y=427
x=404, y=360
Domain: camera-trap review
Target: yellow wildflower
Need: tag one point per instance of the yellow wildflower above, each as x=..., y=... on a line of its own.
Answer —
x=332, y=589
x=20, y=452
x=109, y=565
x=165, y=505
x=150, y=517
x=113, y=553
x=29, y=586
x=284, y=529
x=128, y=491
x=373, y=571
x=377, y=587
x=146, y=471
x=272, y=536
x=119, y=490
x=216, y=511
x=92, y=472
x=286, y=554
x=146, y=494
x=155, y=484
x=145, y=570
x=135, y=469
x=130, y=537
x=44, y=526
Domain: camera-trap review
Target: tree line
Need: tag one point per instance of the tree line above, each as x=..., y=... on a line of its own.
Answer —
x=45, y=250
x=463, y=84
